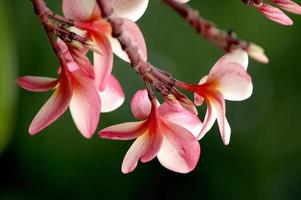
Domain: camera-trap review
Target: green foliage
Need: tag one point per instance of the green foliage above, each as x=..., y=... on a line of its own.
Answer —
x=7, y=74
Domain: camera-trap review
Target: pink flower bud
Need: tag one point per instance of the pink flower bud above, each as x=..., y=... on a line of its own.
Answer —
x=275, y=14
x=289, y=6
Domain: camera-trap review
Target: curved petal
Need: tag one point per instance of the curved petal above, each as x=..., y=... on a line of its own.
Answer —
x=54, y=107
x=180, y=151
x=81, y=10
x=103, y=63
x=112, y=97
x=133, y=155
x=275, y=14
x=141, y=105
x=218, y=105
x=232, y=81
x=155, y=138
x=209, y=120
x=132, y=31
x=84, y=105
x=36, y=83
x=174, y=112
x=124, y=131
x=289, y=6
x=83, y=61
x=130, y=9
x=237, y=56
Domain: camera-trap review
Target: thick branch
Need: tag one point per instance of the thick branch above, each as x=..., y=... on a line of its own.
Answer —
x=149, y=73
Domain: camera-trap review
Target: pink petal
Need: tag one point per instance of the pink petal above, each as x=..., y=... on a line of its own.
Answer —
x=133, y=155
x=81, y=10
x=124, y=131
x=130, y=9
x=289, y=6
x=237, y=56
x=209, y=120
x=103, y=63
x=154, y=137
x=275, y=14
x=141, y=105
x=54, y=107
x=132, y=31
x=174, y=112
x=37, y=84
x=180, y=150
x=83, y=61
x=112, y=97
x=218, y=105
x=232, y=81
x=84, y=105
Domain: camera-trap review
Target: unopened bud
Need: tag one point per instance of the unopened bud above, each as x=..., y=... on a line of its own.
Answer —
x=257, y=53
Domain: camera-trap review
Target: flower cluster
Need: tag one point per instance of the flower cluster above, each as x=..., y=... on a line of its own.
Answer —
x=168, y=130
x=274, y=13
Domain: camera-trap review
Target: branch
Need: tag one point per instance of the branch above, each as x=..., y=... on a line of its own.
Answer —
x=161, y=80
x=226, y=40
x=54, y=28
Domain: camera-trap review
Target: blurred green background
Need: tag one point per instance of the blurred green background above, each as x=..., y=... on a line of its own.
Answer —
x=263, y=160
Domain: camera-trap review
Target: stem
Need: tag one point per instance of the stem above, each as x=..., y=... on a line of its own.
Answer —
x=42, y=12
x=225, y=40
x=162, y=81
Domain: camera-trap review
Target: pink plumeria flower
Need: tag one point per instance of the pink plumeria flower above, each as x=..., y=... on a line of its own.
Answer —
x=72, y=89
x=274, y=14
x=87, y=17
x=166, y=132
x=227, y=80
x=289, y=6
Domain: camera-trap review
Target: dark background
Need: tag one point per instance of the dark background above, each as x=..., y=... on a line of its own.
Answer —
x=262, y=161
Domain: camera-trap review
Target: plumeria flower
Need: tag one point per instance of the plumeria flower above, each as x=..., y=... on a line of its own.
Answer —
x=165, y=131
x=74, y=89
x=88, y=18
x=227, y=80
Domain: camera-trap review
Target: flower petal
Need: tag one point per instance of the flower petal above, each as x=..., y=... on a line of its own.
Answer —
x=289, y=6
x=232, y=81
x=81, y=10
x=124, y=131
x=130, y=9
x=218, y=105
x=36, y=83
x=141, y=105
x=112, y=97
x=133, y=155
x=83, y=61
x=155, y=138
x=103, y=63
x=132, y=31
x=209, y=120
x=54, y=107
x=180, y=151
x=275, y=14
x=237, y=56
x=84, y=105
x=174, y=112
